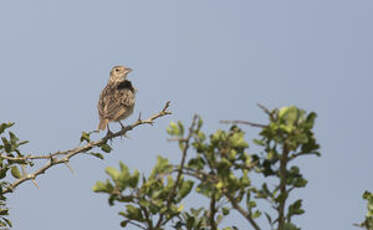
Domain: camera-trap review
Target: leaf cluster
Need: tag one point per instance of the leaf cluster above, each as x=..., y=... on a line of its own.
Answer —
x=9, y=162
x=368, y=222
x=222, y=169
x=146, y=199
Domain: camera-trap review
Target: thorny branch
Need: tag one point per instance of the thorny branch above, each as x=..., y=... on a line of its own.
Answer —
x=68, y=154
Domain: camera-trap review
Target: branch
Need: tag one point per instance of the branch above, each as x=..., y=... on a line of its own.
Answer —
x=242, y=211
x=202, y=176
x=283, y=192
x=213, y=212
x=243, y=123
x=180, y=171
x=136, y=224
x=265, y=109
x=68, y=154
x=295, y=155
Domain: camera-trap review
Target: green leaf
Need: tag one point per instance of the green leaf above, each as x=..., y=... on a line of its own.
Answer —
x=197, y=163
x=310, y=120
x=161, y=167
x=259, y=142
x=295, y=208
x=22, y=143
x=103, y=187
x=238, y=140
x=185, y=189
x=200, y=123
x=256, y=214
x=7, y=145
x=300, y=182
x=225, y=211
x=180, y=208
x=98, y=155
x=4, y=126
x=290, y=226
x=134, y=180
x=85, y=137
x=15, y=172
x=181, y=128
x=173, y=129
x=106, y=148
x=113, y=173
x=13, y=138
x=289, y=117
x=3, y=172
x=133, y=213
x=99, y=187
x=124, y=223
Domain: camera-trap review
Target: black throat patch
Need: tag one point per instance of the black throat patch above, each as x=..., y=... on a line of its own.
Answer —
x=126, y=85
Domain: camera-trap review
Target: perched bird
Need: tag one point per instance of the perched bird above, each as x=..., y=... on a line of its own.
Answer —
x=117, y=99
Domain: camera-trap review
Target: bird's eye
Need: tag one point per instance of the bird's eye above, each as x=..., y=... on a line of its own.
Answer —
x=117, y=70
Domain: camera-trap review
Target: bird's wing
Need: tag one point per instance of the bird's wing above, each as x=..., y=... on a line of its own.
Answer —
x=117, y=102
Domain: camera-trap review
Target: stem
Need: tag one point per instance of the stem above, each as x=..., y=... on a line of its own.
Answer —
x=283, y=192
x=180, y=172
x=213, y=212
x=242, y=211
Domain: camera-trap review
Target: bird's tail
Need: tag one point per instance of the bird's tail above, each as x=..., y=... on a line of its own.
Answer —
x=102, y=124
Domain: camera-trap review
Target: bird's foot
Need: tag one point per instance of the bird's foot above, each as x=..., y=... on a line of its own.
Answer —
x=121, y=125
x=109, y=132
x=109, y=135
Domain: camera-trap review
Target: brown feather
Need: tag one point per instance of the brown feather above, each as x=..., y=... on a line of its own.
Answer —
x=116, y=102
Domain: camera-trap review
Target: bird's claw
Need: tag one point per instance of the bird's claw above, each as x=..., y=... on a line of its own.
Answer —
x=109, y=133
x=121, y=125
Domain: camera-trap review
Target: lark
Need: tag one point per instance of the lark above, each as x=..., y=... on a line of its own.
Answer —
x=117, y=99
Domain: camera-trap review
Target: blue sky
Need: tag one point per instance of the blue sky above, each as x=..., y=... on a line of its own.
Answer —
x=213, y=57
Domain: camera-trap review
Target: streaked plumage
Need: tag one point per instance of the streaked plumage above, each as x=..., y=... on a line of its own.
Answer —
x=117, y=99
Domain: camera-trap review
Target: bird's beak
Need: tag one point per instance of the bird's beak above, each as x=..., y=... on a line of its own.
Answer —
x=129, y=70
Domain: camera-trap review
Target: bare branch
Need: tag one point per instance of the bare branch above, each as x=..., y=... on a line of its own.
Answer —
x=68, y=154
x=136, y=224
x=243, y=123
x=265, y=109
x=295, y=155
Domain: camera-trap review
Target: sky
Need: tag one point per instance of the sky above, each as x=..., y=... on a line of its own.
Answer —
x=216, y=58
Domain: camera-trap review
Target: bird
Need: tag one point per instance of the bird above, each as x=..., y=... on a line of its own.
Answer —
x=117, y=99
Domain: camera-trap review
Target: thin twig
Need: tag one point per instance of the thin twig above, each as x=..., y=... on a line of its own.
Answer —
x=202, y=176
x=136, y=224
x=295, y=155
x=243, y=123
x=242, y=211
x=265, y=109
x=68, y=154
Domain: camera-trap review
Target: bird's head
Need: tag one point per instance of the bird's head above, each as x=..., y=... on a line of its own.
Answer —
x=119, y=73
